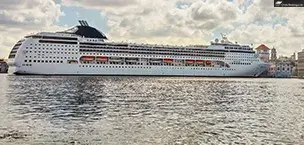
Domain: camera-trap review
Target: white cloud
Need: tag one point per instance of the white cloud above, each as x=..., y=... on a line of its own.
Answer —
x=160, y=21
x=258, y=26
x=168, y=21
x=18, y=18
x=99, y=3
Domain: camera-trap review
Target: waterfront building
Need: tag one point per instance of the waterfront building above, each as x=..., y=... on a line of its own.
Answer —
x=3, y=66
x=301, y=64
x=295, y=69
x=263, y=52
x=271, y=70
x=282, y=67
x=293, y=57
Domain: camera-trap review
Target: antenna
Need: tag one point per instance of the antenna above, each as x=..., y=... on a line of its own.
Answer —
x=223, y=36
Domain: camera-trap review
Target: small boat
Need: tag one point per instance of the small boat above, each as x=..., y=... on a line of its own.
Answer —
x=72, y=62
x=101, y=58
x=115, y=59
x=200, y=61
x=190, y=61
x=131, y=60
x=87, y=58
x=155, y=60
x=167, y=60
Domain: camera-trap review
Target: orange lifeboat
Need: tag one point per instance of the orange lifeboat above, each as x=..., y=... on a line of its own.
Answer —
x=208, y=62
x=167, y=60
x=200, y=61
x=102, y=58
x=190, y=61
x=87, y=58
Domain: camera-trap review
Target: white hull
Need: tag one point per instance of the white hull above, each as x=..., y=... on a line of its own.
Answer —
x=75, y=69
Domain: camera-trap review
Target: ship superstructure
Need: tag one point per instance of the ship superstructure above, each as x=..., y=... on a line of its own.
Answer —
x=84, y=50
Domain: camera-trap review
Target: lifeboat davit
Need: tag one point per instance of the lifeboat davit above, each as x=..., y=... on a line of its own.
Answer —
x=87, y=58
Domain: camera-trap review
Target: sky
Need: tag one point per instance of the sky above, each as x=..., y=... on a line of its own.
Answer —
x=175, y=22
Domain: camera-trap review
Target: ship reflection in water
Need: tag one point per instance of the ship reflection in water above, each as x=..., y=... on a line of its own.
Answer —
x=150, y=110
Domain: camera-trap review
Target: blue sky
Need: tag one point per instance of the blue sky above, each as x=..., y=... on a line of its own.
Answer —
x=92, y=16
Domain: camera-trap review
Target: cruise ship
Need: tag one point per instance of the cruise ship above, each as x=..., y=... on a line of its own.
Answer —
x=84, y=50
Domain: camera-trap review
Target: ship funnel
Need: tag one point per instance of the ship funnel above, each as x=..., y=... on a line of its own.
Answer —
x=86, y=23
x=80, y=22
x=83, y=23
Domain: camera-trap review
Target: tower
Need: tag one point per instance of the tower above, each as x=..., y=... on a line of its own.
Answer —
x=273, y=56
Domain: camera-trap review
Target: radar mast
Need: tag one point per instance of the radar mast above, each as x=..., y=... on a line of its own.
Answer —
x=225, y=39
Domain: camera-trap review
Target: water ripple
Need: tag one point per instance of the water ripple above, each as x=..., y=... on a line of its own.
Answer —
x=150, y=110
